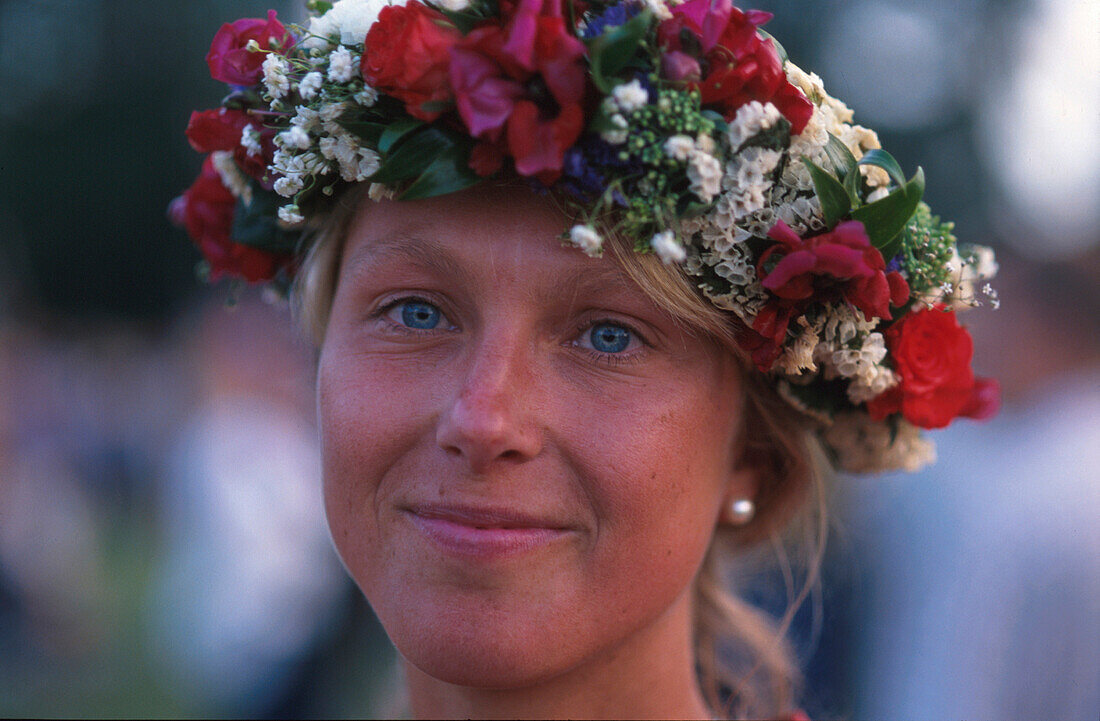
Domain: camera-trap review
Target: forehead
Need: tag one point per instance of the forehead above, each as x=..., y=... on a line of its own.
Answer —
x=495, y=235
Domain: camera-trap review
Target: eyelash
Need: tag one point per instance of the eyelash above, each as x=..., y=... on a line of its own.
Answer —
x=613, y=360
x=383, y=310
x=609, y=359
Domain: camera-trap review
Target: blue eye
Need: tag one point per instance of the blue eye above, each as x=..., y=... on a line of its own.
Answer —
x=609, y=338
x=420, y=315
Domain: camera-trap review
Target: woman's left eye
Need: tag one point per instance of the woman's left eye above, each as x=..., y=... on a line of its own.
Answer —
x=415, y=314
x=609, y=338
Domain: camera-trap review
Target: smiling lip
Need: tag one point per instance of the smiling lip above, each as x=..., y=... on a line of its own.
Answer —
x=483, y=532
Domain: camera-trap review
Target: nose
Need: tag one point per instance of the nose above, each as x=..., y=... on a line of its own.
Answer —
x=492, y=417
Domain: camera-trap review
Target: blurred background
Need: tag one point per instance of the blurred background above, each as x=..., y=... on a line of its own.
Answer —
x=162, y=545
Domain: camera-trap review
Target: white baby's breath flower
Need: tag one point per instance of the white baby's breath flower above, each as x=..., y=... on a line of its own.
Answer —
x=327, y=146
x=378, y=192
x=291, y=215
x=342, y=65
x=630, y=96
x=295, y=138
x=275, y=76
x=369, y=162
x=587, y=239
x=288, y=187
x=310, y=85
x=366, y=97
x=679, y=147
x=616, y=137
x=666, y=247
x=453, y=6
x=331, y=112
x=250, y=141
x=231, y=176
x=306, y=118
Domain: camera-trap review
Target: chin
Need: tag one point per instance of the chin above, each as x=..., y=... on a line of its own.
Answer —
x=480, y=648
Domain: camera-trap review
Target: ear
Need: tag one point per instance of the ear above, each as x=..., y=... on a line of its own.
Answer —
x=777, y=482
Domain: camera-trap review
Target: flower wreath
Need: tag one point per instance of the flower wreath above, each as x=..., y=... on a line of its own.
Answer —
x=682, y=125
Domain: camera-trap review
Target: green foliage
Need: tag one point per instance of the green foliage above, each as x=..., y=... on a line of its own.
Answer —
x=256, y=224
x=926, y=248
x=395, y=132
x=885, y=219
x=834, y=199
x=318, y=7
x=616, y=49
x=449, y=172
x=434, y=160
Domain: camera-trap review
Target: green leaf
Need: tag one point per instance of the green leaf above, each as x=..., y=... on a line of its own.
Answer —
x=844, y=165
x=885, y=161
x=413, y=156
x=449, y=172
x=368, y=132
x=835, y=202
x=885, y=219
x=721, y=127
x=840, y=156
x=778, y=48
x=256, y=224
x=612, y=51
x=396, y=131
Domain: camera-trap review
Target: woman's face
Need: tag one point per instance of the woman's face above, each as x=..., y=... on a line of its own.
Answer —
x=524, y=458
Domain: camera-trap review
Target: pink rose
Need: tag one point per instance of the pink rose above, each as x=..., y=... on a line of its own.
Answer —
x=228, y=59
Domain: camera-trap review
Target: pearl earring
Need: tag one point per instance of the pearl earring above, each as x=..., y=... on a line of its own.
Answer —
x=740, y=511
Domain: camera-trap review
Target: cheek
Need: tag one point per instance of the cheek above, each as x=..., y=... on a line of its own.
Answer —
x=366, y=427
x=659, y=469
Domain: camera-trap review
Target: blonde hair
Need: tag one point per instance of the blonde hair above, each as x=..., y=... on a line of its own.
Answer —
x=745, y=665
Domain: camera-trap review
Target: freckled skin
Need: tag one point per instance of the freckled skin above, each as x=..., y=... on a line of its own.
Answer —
x=503, y=404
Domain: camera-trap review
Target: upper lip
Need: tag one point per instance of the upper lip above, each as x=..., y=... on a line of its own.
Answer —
x=484, y=516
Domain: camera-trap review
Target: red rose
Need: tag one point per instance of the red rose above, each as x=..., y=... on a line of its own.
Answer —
x=826, y=267
x=228, y=59
x=408, y=54
x=221, y=129
x=206, y=211
x=741, y=65
x=931, y=354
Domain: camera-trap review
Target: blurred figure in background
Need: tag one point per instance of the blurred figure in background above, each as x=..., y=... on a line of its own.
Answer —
x=250, y=581
x=978, y=589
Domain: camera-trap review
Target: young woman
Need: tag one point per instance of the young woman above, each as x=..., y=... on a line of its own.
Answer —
x=537, y=459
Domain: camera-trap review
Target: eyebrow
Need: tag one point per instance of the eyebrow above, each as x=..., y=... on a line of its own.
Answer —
x=435, y=257
x=405, y=245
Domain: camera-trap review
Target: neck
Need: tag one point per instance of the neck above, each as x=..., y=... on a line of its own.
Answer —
x=650, y=675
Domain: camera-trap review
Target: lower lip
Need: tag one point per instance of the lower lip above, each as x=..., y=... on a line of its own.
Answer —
x=464, y=540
